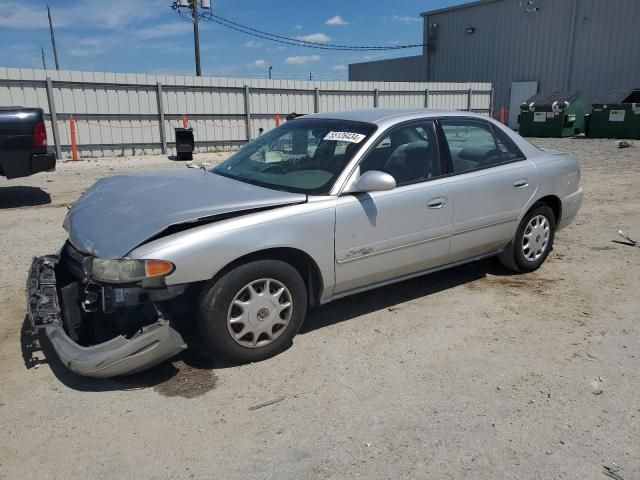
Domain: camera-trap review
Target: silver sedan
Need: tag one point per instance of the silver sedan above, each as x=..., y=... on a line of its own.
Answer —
x=322, y=207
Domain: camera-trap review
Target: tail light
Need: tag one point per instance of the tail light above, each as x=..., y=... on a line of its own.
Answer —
x=39, y=134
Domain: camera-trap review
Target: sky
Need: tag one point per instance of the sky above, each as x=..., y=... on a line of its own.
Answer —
x=147, y=36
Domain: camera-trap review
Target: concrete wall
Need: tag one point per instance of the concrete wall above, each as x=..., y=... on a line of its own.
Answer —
x=118, y=113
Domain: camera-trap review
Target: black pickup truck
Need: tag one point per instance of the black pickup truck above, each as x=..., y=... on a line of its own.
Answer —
x=23, y=142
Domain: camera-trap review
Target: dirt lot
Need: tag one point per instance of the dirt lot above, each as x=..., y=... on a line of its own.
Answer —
x=469, y=373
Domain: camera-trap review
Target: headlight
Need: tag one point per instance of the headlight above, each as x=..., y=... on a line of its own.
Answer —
x=126, y=270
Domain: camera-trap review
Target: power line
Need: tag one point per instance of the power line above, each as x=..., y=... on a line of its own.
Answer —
x=297, y=42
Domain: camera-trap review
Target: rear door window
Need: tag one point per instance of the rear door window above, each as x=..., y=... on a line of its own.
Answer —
x=508, y=150
x=471, y=144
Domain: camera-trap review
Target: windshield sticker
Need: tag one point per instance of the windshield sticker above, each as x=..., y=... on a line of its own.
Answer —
x=345, y=137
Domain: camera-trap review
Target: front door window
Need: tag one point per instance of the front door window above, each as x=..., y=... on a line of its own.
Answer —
x=409, y=154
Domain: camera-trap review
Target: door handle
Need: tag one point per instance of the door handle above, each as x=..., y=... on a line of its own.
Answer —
x=437, y=202
x=521, y=183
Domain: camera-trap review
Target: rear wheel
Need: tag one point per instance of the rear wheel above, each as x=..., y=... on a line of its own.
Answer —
x=253, y=311
x=532, y=242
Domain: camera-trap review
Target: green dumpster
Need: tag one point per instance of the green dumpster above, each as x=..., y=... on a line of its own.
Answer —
x=558, y=114
x=616, y=115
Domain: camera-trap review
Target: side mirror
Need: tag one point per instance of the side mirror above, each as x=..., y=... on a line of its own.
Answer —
x=373, y=181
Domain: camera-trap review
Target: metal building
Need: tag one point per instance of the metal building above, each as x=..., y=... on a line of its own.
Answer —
x=524, y=47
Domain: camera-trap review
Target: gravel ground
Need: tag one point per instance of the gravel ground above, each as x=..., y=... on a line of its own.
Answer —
x=469, y=373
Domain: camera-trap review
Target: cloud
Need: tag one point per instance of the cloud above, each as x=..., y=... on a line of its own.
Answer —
x=337, y=20
x=116, y=15
x=302, y=59
x=162, y=31
x=405, y=19
x=252, y=44
x=340, y=68
x=315, y=37
x=88, y=47
x=258, y=63
x=28, y=53
x=16, y=15
x=96, y=46
x=298, y=27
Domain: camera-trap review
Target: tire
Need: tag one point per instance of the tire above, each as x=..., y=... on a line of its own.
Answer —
x=515, y=256
x=218, y=310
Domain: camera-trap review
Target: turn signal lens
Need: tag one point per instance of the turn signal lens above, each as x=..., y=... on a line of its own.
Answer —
x=158, y=268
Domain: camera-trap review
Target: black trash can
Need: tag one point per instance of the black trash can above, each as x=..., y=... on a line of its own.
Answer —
x=184, y=143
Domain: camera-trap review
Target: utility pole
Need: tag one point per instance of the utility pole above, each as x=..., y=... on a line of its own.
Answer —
x=196, y=34
x=53, y=39
x=44, y=62
x=310, y=78
x=195, y=16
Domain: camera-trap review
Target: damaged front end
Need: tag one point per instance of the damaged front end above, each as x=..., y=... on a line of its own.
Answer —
x=101, y=329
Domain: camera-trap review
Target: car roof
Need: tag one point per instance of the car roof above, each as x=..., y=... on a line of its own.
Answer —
x=386, y=116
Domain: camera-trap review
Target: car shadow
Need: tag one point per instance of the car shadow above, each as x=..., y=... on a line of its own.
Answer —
x=389, y=296
x=21, y=196
x=194, y=370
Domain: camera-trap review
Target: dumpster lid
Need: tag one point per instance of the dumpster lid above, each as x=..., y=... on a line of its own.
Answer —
x=548, y=99
x=620, y=95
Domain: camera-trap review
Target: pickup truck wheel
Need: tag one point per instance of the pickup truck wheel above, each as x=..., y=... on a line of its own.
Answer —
x=533, y=241
x=253, y=311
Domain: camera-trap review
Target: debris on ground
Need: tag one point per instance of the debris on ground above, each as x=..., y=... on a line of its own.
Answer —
x=201, y=165
x=628, y=238
x=612, y=471
x=266, y=404
x=597, y=386
x=624, y=144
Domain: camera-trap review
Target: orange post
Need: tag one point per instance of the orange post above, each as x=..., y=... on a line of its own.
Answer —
x=502, y=116
x=185, y=122
x=277, y=119
x=74, y=145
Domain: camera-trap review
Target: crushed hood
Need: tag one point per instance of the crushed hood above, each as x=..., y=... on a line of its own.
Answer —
x=119, y=213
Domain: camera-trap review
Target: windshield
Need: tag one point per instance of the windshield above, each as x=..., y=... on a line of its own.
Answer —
x=305, y=155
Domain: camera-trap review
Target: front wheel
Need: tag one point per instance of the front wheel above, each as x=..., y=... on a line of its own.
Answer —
x=253, y=311
x=532, y=242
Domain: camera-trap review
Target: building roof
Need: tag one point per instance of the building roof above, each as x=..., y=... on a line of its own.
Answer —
x=457, y=7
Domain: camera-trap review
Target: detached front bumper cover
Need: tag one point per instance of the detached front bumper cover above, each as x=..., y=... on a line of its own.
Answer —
x=153, y=344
